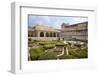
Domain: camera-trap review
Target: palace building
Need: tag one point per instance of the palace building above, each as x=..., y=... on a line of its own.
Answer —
x=77, y=31
x=43, y=32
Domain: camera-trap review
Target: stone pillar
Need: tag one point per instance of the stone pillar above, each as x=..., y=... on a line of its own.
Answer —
x=38, y=34
x=44, y=34
x=56, y=34
x=30, y=34
x=33, y=34
x=49, y=34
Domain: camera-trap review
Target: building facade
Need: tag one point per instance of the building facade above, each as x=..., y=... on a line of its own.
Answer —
x=42, y=32
x=77, y=31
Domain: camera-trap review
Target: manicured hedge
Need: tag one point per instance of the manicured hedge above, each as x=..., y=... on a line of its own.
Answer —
x=48, y=56
x=79, y=53
x=60, y=44
x=43, y=51
x=29, y=39
x=40, y=54
x=77, y=45
x=46, y=42
x=66, y=57
x=49, y=46
x=35, y=53
x=30, y=45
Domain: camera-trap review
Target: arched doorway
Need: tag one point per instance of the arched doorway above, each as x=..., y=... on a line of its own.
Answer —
x=41, y=34
x=54, y=34
x=47, y=34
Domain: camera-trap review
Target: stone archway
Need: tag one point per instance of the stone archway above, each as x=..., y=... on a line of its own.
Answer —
x=50, y=34
x=47, y=34
x=41, y=34
x=54, y=34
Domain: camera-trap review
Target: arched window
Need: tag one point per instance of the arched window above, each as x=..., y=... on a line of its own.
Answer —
x=41, y=34
x=47, y=34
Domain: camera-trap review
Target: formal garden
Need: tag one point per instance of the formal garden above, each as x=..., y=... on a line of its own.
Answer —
x=56, y=49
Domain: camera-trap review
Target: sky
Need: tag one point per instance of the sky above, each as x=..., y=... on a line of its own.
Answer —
x=54, y=21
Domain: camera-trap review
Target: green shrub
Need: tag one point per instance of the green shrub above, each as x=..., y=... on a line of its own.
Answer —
x=84, y=53
x=47, y=42
x=30, y=45
x=29, y=39
x=30, y=42
x=69, y=43
x=47, y=56
x=35, y=53
x=66, y=57
x=79, y=53
x=74, y=53
x=42, y=43
x=40, y=54
x=35, y=40
x=77, y=45
x=49, y=46
x=60, y=44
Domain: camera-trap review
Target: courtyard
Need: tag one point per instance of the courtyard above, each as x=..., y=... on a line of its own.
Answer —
x=56, y=49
